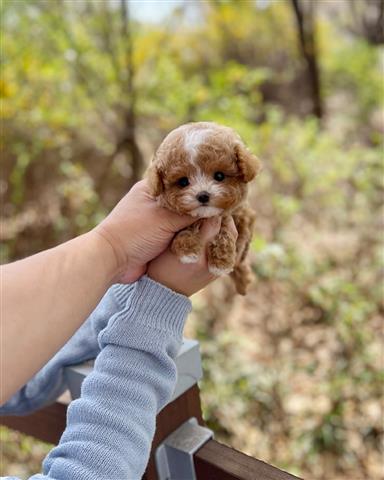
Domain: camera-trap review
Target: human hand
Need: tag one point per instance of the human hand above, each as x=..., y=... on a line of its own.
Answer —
x=188, y=279
x=138, y=230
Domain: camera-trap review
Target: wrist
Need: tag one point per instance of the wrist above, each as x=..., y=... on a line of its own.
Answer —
x=168, y=283
x=105, y=253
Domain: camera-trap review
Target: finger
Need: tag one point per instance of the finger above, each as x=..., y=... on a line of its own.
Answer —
x=175, y=221
x=141, y=185
x=209, y=230
x=179, y=222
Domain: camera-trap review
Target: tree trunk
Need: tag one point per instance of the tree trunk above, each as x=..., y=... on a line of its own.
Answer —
x=129, y=140
x=304, y=14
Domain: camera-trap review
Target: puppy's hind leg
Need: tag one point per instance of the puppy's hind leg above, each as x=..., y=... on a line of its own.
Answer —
x=242, y=274
x=242, y=277
x=187, y=245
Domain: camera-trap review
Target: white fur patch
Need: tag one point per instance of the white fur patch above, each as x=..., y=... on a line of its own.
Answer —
x=206, y=212
x=193, y=139
x=189, y=259
x=218, y=271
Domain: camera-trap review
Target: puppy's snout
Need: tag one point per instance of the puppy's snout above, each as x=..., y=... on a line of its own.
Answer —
x=203, y=197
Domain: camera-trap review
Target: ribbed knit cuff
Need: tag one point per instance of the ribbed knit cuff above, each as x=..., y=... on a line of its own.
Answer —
x=152, y=309
x=122, y=292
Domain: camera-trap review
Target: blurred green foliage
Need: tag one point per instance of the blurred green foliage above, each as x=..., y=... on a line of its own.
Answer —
x=293, y=372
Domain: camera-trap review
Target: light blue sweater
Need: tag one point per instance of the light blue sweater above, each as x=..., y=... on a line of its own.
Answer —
x=136, y=332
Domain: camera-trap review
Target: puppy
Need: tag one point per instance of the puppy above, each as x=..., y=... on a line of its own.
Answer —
x=202, y=169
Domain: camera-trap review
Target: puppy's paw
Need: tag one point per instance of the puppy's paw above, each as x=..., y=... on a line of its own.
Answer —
x=242, y=277
x=221, y=255
x=217, y=272
x=187, y=247
x=189, y=258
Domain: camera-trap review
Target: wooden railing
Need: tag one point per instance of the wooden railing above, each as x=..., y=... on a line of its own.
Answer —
x=213, y=461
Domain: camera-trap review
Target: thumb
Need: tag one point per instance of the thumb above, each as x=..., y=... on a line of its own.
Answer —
x=178, y=222
x=209, y=230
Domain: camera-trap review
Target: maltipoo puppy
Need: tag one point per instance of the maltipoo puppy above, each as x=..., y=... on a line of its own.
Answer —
x=202, y=169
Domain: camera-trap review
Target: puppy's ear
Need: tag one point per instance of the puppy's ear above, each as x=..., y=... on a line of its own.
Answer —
x=155, y=181
x=248, y=164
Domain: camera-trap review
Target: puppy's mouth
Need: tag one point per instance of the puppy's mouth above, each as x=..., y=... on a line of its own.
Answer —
x=205, y=211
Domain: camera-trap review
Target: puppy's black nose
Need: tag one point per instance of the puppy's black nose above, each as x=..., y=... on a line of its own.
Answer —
x=203, y=197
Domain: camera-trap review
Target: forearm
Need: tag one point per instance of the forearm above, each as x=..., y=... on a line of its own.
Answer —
x=45, y=299
x=50, y=382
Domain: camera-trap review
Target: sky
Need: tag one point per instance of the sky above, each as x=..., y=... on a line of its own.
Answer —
x=153, y=11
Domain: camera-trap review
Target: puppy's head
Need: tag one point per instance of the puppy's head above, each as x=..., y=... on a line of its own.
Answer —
x=201, y=169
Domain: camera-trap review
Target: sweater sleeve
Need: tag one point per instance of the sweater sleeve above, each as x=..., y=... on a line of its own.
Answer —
x=111, y=426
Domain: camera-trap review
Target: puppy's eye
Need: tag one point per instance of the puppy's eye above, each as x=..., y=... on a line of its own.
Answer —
x=183, y=182
x=219, y=176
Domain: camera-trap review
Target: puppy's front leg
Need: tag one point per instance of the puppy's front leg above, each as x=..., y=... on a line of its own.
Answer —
x=187, y=244
x=222, y=250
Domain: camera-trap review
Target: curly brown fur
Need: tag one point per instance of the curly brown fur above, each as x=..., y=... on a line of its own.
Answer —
x=202, y=169
x=244, y=218
x=188, y=242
